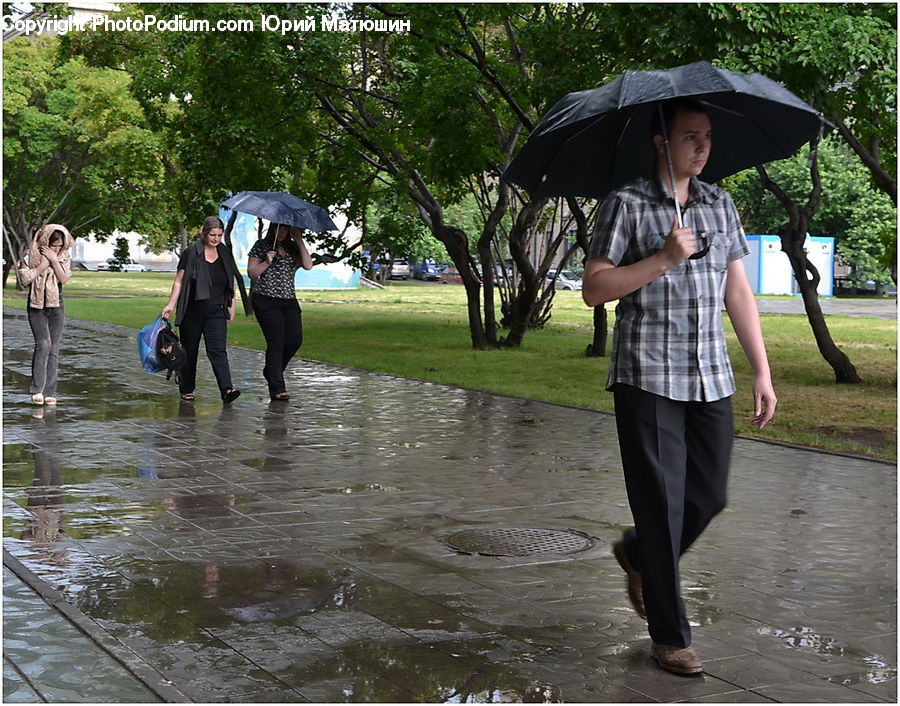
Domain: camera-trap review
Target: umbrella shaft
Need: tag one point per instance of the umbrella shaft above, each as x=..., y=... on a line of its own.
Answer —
x=665, y=136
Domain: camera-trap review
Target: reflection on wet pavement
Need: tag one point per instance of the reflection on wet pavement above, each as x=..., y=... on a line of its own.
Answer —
x=297, y=552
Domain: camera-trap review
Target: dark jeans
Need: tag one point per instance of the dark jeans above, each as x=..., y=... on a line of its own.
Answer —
x=47, y=327
x=675, y=456
x=282, y=325
x=213, y=327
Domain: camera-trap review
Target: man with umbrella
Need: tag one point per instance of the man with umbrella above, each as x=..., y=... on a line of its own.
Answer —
x=667, y=246
x=669, y=372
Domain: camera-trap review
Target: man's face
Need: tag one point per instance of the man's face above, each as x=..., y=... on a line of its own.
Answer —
x=690, y=138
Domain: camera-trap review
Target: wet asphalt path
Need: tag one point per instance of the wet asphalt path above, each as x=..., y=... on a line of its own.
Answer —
x=862, y=307
x=272, y=552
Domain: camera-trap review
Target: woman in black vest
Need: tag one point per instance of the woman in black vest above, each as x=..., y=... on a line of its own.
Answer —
x=204, y=292
x=272, y=263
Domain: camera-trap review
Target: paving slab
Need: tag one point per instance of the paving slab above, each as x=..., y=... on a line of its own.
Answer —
x=272, y=552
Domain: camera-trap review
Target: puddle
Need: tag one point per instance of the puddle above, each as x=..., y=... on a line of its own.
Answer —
x=456, y=673
x=361, y=488
x=806, y=638
x=879, y=672
x=211, y=593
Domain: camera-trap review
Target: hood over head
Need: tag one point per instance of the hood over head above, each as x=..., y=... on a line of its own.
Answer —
x=42, y=237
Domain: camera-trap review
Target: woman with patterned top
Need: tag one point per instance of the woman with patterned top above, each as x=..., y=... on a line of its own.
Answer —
x=272, y=263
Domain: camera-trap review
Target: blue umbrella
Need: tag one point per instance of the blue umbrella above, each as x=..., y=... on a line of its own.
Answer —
x=281, y=207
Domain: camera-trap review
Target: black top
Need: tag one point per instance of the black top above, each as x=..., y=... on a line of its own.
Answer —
x=218, y=285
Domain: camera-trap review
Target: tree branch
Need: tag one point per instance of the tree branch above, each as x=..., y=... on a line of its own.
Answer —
x=882, y=178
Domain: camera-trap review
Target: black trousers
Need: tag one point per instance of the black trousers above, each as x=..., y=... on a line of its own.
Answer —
x=676, y=457
x=282, y=325
x=213, y=327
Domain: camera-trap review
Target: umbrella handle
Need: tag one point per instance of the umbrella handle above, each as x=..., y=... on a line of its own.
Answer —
x=665, y=135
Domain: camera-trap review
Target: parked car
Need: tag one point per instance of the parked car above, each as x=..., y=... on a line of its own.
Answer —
x=113, y=264
x=426, y=271
x=450, y=275
x=399, y=269
x=132, y=267
x=566, y=279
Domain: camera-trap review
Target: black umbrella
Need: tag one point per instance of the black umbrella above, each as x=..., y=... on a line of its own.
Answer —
x=281, y=207
x=594, y=141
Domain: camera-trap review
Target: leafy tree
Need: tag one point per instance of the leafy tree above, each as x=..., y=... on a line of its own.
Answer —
x=843, y=59
x=840, y=58
x=76, y=149
x=435, y=114
x=860, y=218
x=121, y=254
x=219, y=101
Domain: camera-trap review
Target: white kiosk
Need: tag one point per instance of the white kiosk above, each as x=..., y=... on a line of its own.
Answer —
x=769, y=269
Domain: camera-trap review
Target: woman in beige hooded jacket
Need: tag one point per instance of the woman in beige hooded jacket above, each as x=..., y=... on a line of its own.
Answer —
x=45, y=269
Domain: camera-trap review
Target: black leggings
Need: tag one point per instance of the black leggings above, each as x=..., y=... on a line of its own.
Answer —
x=282, y=325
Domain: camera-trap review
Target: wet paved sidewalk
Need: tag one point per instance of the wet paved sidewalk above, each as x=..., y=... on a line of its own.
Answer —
x=272, y=552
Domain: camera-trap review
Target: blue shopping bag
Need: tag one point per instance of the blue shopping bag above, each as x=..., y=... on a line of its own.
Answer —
x=146, y=341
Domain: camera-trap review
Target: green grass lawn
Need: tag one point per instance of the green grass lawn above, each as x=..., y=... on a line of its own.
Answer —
x=420, y=331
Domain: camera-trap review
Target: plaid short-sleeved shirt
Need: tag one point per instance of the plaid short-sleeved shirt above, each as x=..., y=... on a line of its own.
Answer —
x=668, y=338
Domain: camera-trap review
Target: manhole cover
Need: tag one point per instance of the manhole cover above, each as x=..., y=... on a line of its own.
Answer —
x=519, y=541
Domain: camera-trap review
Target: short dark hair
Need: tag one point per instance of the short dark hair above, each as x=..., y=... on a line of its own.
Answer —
x=670, y=109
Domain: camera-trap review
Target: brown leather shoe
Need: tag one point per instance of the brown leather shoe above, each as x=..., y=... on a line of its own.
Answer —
x=678, y=660
x=635, y=590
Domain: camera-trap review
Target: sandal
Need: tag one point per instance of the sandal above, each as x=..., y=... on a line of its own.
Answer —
x=49, y=400
x=37, y=398
x=187, y=397
x=230, y=395
x=281, y=397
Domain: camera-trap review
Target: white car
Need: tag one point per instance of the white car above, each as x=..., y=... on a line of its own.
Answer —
x=399, y=268
x=129, y=266
x=565, y=280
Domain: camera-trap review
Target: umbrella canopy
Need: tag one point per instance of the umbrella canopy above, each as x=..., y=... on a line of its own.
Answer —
x=281, y=207
x=594, y=141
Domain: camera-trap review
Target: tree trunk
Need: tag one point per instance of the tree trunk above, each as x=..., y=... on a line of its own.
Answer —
x=456, y=243
x=793, y=239
x=245, y=300
x=16, y=243
x=597, y=349
x=486, y=257
x=808, y=281
x=487, y=277
x=522, y=302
